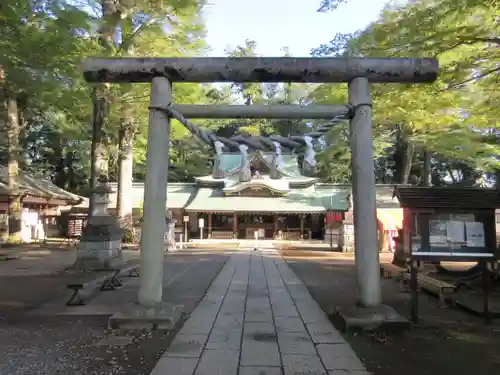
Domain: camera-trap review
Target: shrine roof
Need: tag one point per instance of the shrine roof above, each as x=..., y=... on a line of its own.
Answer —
x=384, y=193
x=296, y=201
x=182, y=194
x=449, y=197
x=36, y=186
x=230, y=162
x=178, y=194
x=281, y=185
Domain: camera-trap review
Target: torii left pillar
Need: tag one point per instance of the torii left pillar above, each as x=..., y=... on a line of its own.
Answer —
x=155, y=192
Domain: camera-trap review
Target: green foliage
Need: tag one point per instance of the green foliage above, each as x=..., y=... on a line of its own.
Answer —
x=41, y=48
x=455, y=119
x=463, y=103
x=128, y=235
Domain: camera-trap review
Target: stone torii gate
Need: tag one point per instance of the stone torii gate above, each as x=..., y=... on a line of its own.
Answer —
x=357, y=72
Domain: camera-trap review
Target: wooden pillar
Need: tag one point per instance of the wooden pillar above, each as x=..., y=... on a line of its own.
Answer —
x=235, y=225
x=309, y=226
x=301, y=227
x=209, y=229
x=275, y=226
x=45, y=221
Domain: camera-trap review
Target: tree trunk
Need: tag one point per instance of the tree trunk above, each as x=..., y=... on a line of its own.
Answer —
x=452, y=176
x=58, y=161
x=12, y=124
x=403, y=157
x=425, y=179
x=98, y=152
x=407, y=162
x=125, y=172
x=101, y=98
x=72, y=179
x=470, y=176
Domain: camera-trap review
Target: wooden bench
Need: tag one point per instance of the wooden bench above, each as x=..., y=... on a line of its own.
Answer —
x=441, y=288
x=82, y=291
x=389, y=270
x=132, y=271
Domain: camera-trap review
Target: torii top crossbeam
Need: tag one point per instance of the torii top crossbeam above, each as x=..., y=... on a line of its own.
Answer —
x=261, y=69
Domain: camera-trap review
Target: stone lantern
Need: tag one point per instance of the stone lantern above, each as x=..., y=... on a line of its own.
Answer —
x=101, y=240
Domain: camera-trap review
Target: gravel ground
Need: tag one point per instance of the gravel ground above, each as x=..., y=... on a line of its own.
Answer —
x=71, y=345
x=35, y=347
x=82, y=345
x=447, y=341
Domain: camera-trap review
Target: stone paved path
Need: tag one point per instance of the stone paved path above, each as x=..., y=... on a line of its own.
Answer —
x=257, y=318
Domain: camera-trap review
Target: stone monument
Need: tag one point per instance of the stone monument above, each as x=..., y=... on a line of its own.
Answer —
x=101, y=240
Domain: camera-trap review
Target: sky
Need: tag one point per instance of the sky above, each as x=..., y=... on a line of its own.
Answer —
x=274, y=24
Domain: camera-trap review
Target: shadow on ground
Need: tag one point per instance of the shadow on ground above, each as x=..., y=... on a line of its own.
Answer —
x=446, y=342
x=82, y=345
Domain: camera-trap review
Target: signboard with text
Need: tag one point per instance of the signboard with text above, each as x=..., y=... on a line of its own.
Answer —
x=451, y=236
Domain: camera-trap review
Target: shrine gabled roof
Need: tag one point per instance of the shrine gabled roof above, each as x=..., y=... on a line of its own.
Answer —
x=290, y=165
x=230, y=162
x=232, y=183
x=281, y=185
x=296, y=201
x=449, y=197
x=35, y=186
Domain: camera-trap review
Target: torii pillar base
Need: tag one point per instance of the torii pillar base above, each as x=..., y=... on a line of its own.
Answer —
x=133, y=316
x=377, y=318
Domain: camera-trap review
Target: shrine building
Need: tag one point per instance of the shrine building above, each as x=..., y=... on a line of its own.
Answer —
x=280, y=204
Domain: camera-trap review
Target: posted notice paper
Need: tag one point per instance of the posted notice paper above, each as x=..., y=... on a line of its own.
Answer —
x=475, y=234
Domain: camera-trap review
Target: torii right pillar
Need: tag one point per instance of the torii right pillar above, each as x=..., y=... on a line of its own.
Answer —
x=369, y=312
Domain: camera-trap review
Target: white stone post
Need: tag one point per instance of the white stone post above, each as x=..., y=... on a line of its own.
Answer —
x=364, y=198
x=155, y=195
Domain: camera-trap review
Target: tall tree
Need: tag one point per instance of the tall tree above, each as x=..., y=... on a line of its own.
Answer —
x=127, y=28
x=463, y=35
x=34, y=53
